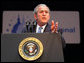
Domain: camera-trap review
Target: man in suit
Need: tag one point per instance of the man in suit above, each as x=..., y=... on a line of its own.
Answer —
x=42, y=16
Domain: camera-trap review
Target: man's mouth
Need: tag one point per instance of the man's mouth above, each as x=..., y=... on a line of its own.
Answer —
x=43, y=17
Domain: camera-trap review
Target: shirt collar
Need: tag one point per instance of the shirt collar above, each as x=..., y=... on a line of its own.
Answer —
x=43, y=27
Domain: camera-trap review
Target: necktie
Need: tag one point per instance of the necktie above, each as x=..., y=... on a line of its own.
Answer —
x=40, y=28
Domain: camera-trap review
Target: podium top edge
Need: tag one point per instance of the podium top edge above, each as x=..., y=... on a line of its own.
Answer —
x=26, y=33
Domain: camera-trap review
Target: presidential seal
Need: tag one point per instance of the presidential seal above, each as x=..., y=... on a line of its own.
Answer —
x=30, y=48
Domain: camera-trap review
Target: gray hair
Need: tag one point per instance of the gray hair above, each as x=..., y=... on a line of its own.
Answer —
x=37, y=7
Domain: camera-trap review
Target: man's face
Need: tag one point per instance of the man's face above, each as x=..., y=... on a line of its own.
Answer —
x=43, y=15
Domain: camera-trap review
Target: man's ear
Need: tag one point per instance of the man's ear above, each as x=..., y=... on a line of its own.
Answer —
x=35, y=16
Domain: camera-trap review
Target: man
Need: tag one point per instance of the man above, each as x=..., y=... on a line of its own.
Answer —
x=42, y=16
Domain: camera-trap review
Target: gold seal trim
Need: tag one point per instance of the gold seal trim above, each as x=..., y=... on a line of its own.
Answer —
x=20, y=49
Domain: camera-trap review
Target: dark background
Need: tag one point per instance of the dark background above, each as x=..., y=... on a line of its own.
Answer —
x=72, y=52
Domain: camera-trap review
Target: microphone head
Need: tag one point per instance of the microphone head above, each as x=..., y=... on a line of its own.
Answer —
x=27, y=23
x=34, y=23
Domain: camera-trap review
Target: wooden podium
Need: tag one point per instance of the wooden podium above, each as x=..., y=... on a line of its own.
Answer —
x=52, y=47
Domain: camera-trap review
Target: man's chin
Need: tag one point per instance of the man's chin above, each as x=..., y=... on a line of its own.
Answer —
x=44, y=22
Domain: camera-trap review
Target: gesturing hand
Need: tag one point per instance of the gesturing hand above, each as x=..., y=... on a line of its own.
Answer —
x=54, y=27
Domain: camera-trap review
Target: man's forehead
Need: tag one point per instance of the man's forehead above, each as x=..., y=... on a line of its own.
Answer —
x=43, y=8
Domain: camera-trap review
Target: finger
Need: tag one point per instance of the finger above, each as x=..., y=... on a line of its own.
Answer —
x=52, y=25
x=56, y=26
x=52, y=22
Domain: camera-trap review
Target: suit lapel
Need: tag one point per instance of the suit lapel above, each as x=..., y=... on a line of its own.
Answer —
x=47, y=28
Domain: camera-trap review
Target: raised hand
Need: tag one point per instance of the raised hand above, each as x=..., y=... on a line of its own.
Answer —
x=54, y=27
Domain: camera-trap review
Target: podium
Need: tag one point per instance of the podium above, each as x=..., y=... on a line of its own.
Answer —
x=52, y=47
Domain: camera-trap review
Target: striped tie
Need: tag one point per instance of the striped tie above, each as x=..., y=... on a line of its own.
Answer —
x=39, y=31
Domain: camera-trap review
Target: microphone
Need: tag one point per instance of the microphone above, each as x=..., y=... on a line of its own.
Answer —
x=27, y=25
x=33, y=26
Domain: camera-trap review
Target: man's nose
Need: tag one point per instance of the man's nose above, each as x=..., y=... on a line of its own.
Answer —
x=44, y=13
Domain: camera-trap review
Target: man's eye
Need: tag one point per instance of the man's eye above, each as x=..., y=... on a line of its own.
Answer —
x=46, y=11
x=41, y=11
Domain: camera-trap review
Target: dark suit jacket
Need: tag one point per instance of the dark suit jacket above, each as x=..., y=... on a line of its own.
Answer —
x=32, y=29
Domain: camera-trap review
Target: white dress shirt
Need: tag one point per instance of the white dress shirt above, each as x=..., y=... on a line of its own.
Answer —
x=42, y=30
